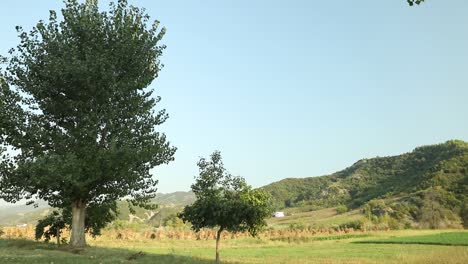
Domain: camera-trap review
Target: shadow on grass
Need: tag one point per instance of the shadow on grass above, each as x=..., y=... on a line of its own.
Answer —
x=27, y=251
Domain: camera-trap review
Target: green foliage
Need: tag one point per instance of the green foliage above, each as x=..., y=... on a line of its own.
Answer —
x=174, y=221
x=98, y=216
x=388, y=185
x=412, y=2
x=464, y=213
x=356, y=225
x=9, y=115
x=56, y=223
x=341, y=209
x=86, y=132
x=435, y=209
x=225, y=201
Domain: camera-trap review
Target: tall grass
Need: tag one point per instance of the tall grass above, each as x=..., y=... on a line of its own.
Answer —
x=183, y=234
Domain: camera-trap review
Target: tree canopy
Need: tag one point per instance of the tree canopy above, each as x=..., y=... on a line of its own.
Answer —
x=412, y=2
x=80, y=113
x=225, y=201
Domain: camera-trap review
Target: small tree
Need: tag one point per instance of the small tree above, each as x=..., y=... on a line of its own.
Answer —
x=341, y=209
x=464, y=213
x=225, y=202
x=56, y=223
x=432, y=213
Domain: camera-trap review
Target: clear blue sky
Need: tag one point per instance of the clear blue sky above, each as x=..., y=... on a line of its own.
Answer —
x=299, y=88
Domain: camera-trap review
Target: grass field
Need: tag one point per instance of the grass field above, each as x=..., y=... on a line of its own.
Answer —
x=347, y=248
x=448, y=239
x=318, y=218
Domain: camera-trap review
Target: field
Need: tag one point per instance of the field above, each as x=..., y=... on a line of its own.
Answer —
x=317, y=218
x=408, y=246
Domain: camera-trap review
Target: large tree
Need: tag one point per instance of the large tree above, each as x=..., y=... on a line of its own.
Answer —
x=85, y=132
x=10, y=111
x=225, y=202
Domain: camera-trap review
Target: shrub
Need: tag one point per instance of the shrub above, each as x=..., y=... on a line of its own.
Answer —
x=341, y=209
x=55, y=223
x=356, y=225
x=464, y=214
x=298, y=226
x=1, y=231
x=174, y=222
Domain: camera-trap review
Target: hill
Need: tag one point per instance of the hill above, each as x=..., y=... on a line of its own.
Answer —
x=169, y=204
x=175, y=198
x=22, y=214
x=433, y=176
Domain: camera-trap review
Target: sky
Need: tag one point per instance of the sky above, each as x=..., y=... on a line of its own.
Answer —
x=298, y=88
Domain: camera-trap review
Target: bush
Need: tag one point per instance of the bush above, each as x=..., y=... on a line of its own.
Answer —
x=1, y=232
x=55, y=223
x=407, y=225
x=298, y=226
x=341, y=209
x=464, y=214
x=174, y=222
x=356, y=225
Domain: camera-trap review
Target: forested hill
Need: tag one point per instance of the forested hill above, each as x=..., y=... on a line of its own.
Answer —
x=440, y=169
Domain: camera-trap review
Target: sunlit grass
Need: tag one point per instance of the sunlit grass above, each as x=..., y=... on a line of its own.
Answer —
x=450, y=239
x=335, y=248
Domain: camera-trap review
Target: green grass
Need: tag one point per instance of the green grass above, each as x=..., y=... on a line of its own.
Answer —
x=26, y=251
x=449, y=239
x=315, y=249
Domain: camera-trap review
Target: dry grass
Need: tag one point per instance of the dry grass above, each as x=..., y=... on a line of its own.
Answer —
x=318, y=218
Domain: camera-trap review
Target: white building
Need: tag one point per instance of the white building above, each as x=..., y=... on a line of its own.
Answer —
x=278, y=214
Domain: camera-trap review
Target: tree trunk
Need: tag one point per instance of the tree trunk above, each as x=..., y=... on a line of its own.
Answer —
x=218, y=237
x=77, y=238
x=58, y=237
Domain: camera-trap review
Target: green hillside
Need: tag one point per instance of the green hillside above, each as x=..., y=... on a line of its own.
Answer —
x=434, y=176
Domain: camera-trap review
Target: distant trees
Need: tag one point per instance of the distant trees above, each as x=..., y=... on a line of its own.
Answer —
x=438, y=209
x=225, y=202
x=464, y=214
x=85, y=133
x=432, y=213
